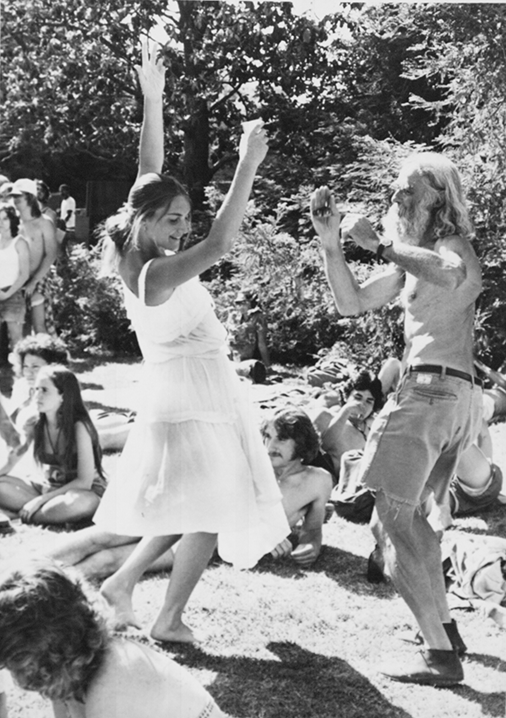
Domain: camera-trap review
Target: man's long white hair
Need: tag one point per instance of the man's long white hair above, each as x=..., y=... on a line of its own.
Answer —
x=450, y=213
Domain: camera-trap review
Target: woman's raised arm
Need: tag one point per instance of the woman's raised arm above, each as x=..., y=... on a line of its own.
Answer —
x=152, y=80
x=166, y=273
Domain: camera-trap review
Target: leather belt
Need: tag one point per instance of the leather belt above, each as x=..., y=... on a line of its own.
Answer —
x=441, y=371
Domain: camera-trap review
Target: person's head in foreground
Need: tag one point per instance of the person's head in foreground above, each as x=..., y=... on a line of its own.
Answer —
x=290, y=436
x=53, y=636
x=35, y=351
x=55, y=639
x=364, y=391
x=156, y=218
x=428, y=201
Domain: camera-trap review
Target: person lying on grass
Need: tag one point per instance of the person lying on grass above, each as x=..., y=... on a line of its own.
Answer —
x=55, y=639
x=65, y=444
x=343, y=417
x=292, y=443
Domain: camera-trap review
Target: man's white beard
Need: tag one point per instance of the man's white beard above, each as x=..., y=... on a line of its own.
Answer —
x=405, y=226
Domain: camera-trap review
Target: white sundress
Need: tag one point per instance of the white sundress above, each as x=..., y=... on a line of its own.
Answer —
x=194, y=460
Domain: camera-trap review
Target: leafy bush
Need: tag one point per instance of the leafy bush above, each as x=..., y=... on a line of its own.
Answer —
x=89, y=310
x=288, y=274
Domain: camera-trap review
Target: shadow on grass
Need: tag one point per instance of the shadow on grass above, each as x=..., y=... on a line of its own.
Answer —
x=85, y=363
x=107, y=408
x=487, y=661
x=90, y=385
x=491, y=704
x=345, y=568
x=295, y=683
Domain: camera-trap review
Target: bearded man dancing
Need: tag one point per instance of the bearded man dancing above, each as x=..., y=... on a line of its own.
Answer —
x=435, y=414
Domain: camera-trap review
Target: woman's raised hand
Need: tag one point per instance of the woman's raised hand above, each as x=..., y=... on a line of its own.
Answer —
x=152, y=71
x=253, y=144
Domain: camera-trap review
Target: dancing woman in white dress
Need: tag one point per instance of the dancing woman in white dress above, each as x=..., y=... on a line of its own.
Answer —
x=194, y=464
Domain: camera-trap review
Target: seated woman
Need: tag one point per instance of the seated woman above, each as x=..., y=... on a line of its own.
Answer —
x=55, y=639
x=247, y=330
x=36, y=351
x=65, y=445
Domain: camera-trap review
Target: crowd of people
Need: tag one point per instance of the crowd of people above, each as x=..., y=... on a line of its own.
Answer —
x=32, y=235
x=199, y=473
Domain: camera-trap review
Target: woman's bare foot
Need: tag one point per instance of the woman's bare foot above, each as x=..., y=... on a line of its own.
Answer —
x=178, y=633
x=121, y=603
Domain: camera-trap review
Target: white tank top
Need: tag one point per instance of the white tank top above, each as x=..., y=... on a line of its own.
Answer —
x=9, y=265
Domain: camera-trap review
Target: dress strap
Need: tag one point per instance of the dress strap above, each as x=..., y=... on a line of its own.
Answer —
x=142, y=281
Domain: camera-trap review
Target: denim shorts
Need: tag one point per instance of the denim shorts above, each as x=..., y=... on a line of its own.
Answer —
x=417, y=438
x=13, y=309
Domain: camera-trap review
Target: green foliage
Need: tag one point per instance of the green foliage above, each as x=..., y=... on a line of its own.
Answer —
x=89, y=309
x=347, y=96
x=293, y=291
x=288, y=274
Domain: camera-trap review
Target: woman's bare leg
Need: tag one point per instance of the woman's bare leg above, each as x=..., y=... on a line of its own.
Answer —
x=118, y=589
x=192, y=557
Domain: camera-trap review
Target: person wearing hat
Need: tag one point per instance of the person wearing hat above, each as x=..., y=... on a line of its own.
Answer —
x=40, y=234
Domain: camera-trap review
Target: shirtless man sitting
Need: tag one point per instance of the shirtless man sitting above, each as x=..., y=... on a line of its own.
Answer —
x=292, y=442
x=40, y=234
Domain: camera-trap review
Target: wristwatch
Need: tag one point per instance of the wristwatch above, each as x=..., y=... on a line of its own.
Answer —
x=383, y=244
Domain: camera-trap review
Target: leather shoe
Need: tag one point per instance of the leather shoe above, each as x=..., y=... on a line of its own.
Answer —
x=431, y=667
x=452, y=632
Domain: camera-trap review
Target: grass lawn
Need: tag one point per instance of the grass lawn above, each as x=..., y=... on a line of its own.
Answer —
x=281, y=641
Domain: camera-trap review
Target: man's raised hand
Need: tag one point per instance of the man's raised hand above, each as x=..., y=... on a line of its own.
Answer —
x=325, y=216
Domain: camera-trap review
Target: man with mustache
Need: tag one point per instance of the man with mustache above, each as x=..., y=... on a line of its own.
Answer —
x=293, y=444
x=415, y=442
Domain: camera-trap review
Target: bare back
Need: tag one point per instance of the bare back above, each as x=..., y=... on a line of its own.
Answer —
x=136, y=680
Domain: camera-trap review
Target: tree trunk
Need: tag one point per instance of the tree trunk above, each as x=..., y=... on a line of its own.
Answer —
x=197, y=172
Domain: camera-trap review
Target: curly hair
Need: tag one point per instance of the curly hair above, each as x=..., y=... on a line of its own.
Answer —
x=295, y=424
x=442, y=179
x=51, y=349
x=53, y=635
x=152, y=192
x=364, y=381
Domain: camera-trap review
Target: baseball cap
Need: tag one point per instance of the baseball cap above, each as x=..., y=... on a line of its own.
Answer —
x=24, y=185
